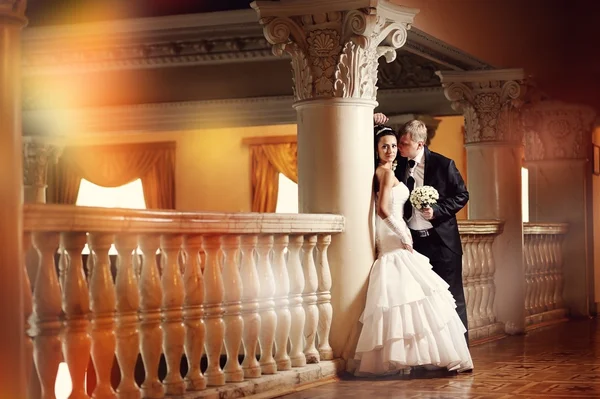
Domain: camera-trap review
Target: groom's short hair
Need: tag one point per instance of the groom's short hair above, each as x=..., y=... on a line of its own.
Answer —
x=416, y=129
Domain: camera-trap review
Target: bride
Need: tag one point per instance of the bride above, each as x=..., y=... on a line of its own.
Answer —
x=409, y=317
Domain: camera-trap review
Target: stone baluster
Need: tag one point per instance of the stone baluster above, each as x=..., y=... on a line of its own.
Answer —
x=531, y=274
x=324, y=297
x=128, y=303
x=548, y=286
x=62, y=268
x=150, y=332
x=539, y=273
x=558, y=292
x=476, y=271
x=528, y=263
x=250, y=292
x=489, y=255
x=193, y=312
x=551, y=271
x=103, y=304
x=76, y=306
x=282, y=290
x=172, y=312
x=483, y=271
x=309, y=295
x=232, y=307
x=213, y=308
x=47, y=313
x=296, y=309
x=467, y=273
x=555, y=248
x=266, y=337
x=27, y=312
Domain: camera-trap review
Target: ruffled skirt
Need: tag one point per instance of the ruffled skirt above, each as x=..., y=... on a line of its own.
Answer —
x=409, y=319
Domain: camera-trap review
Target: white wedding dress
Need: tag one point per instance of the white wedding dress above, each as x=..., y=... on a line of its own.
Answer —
x=409, y=317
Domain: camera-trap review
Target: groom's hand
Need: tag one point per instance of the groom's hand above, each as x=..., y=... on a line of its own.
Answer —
x=380, y=118
x=427, y=213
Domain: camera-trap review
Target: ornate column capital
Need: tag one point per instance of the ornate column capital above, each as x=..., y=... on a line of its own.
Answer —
x=37, y=153
x=557, y=130
x=14, y=10
x=488, y=100
x=335, y=45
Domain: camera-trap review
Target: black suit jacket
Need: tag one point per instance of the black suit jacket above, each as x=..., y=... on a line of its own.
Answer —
x=441, y=173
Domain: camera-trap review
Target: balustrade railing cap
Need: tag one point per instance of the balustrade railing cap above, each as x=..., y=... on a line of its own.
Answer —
x=545, y=228
x=63, y=218
x=480, y=226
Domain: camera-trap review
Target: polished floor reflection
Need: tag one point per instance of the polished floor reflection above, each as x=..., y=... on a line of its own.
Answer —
x=560, y=361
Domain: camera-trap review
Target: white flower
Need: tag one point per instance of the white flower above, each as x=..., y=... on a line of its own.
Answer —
x=424, y=196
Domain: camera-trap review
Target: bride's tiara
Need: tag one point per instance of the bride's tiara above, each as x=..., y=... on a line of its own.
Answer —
x=380, y=129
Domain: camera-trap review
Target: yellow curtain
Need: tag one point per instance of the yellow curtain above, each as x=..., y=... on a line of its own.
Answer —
x=268, y=160
x=115, y=165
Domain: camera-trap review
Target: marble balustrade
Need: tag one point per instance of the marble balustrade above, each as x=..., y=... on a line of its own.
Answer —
x=478, y=268
x=543, y=272
x=251, y=286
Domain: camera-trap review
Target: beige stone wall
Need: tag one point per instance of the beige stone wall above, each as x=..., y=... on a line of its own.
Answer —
x=212, y=167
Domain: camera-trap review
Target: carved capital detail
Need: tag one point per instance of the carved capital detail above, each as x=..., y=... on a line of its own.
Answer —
x=334, y=51
x=556, y=130
x=13, y=9
x=36, y=156
x=489, y=101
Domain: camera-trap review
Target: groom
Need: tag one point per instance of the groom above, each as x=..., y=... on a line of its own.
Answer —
x=434, y=229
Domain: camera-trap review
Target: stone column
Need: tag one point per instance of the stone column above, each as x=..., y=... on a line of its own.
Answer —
x=334, y=47
x=12, y=377
x=557, y=139
x=37, y=153
x=493, y=141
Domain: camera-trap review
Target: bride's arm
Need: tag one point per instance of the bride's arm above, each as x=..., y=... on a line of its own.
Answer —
x=386, y=182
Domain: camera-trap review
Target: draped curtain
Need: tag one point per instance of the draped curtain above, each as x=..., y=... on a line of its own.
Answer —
x=114, y=166
x=268, y=160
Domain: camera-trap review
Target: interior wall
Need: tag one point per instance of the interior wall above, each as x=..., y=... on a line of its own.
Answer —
x=212, y=171
x=523, y=34
x=596, y=226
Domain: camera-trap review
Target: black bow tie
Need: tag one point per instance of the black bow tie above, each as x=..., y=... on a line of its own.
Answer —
x=411, y=163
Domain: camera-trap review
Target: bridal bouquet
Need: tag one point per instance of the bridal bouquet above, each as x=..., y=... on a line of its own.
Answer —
x=422, y=197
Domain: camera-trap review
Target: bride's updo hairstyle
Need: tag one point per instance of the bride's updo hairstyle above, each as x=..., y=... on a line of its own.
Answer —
x=381, y=131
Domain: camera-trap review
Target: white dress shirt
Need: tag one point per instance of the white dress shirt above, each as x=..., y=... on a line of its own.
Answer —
x=417, y=221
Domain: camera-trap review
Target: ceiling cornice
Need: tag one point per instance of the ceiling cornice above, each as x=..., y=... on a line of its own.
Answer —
x=181, y=40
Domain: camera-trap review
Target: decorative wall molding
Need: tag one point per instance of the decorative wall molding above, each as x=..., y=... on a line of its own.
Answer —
x=180, y=40
x=406, y=71
x=335, y=45
x=488, y=100
x=196, y=115
x=557, y=130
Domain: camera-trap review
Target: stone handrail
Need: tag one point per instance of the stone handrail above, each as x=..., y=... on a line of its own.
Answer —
x=543, y=271
x=477, y=237
x=203, y=281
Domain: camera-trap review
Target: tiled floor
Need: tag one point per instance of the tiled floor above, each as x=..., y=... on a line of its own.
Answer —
x=561, y=361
